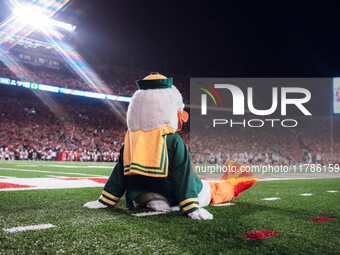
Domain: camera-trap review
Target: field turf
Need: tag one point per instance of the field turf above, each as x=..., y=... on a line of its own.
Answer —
x=116, y=231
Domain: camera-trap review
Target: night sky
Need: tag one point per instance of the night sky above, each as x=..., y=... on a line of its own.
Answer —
x=211, y=38
x=218, y=38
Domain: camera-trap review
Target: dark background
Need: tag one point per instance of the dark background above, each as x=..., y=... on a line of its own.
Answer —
x=220, y=38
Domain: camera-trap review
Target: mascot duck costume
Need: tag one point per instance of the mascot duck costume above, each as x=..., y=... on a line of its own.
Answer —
x=154, y=168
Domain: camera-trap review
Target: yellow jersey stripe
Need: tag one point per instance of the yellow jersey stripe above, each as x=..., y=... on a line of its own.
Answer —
x=110, y=196
x=188, y=200
x=107, y=201
x=190, y=207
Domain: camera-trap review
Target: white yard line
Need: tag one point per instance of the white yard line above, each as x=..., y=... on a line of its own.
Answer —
x=27, y=165
x=7, y=177
x=48, y=183
x=306, y=194
x=78, y=166
x=224, y=204
x=332, y=191
x=271, y=198
x=147, y=214
x=49, y=172
x=57, y=176
x=66, y=166
x=106, y=167
x=32, y=227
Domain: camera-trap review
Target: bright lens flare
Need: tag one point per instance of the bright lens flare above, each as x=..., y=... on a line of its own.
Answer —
x=15, y=27
x=34, y=16
x=31, y=15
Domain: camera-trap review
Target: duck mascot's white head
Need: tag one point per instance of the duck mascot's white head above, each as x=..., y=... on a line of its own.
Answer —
x=157, y=103
x=154, y=169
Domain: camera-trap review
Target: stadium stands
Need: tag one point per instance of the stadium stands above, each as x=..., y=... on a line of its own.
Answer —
x=119, y=80
x=30, y=129
x=309, y=143
x=85, y=129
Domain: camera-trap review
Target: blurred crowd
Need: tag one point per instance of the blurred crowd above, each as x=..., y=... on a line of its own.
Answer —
x=31, y=130
x=114, y=80
x=49, y=128
x=309, y=143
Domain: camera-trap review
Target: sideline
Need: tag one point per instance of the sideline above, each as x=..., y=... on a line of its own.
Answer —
x=49, y=172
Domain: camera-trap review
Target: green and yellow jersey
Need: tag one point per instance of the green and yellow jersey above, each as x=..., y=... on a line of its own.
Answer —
x=180, y=187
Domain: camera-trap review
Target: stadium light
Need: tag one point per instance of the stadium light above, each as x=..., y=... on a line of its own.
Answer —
x=30, y=15
x=35, y=17
x=62, y=25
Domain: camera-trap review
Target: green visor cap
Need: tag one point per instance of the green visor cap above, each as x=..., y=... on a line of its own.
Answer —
x=154, y=81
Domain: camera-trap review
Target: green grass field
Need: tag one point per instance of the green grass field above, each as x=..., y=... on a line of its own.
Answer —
x=105, y=231
x=38, y=169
